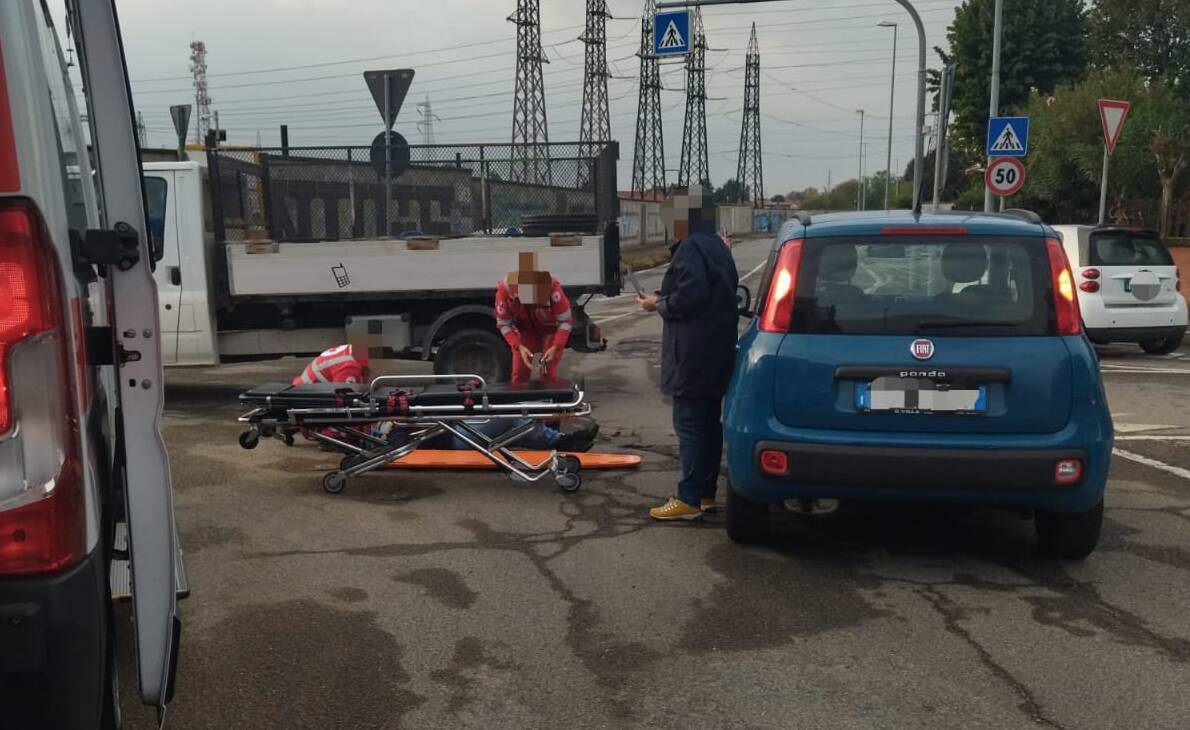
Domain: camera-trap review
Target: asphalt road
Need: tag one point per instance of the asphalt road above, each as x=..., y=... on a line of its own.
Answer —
x=435, y=600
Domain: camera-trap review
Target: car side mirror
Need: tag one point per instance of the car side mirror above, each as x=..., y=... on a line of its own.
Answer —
x=743, y=300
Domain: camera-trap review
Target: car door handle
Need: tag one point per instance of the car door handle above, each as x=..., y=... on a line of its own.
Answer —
x=175, y=275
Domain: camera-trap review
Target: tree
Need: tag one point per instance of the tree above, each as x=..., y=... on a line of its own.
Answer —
x=778, y=198
x=733, y=191
x=1043, y=46
x=957, y=179
x=1149, y=163
x=1151, y=35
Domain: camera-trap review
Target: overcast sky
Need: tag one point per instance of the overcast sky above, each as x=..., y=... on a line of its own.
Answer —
x=299, y=62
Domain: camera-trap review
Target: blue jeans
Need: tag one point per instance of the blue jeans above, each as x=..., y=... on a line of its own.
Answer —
x=700, y=446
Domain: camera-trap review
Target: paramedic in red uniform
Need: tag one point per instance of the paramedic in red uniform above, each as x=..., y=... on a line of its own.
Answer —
x=532, y=328
x=340, y=364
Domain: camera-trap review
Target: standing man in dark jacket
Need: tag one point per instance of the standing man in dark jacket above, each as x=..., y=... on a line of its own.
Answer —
x=697, y=303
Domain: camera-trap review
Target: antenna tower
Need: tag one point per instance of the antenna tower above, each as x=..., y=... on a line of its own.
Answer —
x=694, y=168
x=750, y=173
x=202, y=102
x=648, y=158
x=596, y=123
x=530, y=135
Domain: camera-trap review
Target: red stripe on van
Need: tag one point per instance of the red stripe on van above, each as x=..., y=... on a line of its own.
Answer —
x=10, y=176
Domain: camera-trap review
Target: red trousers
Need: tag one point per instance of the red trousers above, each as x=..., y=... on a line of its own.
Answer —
x=537, y=342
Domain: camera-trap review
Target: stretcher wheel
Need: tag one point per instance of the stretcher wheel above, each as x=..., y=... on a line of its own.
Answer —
x=568, y=477
x=569, y=481
x=287, y=438
x=249, y=440
x=334, y=482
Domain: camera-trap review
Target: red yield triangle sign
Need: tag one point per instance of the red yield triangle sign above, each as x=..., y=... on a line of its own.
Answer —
x=1112, y=114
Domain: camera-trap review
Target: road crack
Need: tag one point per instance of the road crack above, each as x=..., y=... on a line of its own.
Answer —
x=952, y=615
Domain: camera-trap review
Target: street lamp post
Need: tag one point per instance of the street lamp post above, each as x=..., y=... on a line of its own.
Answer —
x=859, y=180
x=892, y=95
x=919, y=148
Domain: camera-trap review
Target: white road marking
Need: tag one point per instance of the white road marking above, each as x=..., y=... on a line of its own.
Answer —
x=1120, y=370
x=1168, y=468
x=1155, y=437
x=1139, y=427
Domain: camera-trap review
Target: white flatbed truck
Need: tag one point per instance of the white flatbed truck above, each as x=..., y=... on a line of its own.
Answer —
x=226, y=300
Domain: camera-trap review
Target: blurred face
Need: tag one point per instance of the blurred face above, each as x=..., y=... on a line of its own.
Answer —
x=692, y=209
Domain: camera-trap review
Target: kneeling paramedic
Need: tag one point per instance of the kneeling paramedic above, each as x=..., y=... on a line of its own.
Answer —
x=534, y=316
x=342, y=364
x=700, y=317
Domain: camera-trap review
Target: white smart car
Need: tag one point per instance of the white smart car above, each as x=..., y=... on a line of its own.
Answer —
x=1129, y=289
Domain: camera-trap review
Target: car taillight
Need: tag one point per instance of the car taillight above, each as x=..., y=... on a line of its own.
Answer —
x=1089, y=286
x=774, y=462
x=1070, y=321
x=778, y=307
x=42, y=524
x=10, y=174
x=1068, y=471
x=1090, y=273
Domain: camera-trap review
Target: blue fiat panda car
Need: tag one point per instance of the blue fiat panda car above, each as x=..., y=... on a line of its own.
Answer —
x=920, y=358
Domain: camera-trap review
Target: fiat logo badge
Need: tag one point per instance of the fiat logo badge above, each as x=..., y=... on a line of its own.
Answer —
x=922, y=349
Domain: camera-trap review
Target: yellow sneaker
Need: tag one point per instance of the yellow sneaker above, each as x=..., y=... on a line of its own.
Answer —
x=707, y=505
x=675, y=509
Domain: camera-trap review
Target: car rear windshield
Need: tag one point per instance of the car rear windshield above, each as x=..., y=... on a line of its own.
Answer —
x=905, y=286
x=1128, y=248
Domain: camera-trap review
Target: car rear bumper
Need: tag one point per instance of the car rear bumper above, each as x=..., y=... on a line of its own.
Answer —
x=1134, y=334
x=875, y=467
x=53, y=643
x=1114, y=320
x=1009, y=471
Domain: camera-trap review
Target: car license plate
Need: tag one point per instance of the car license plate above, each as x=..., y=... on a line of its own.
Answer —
x=909, y=395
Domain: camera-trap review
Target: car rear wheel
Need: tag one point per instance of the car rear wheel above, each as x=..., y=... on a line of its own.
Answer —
x=1163, y=346
x=1069, y=536
x=747, y=521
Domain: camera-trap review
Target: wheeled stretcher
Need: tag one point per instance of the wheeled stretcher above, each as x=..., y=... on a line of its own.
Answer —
x=421, y=407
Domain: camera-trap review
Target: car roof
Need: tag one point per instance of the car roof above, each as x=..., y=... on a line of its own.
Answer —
x=872, y=223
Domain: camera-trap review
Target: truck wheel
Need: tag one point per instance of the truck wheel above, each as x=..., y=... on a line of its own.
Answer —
x=1162, y=347
x=475, y=352
x=1070, y=536
x=747, y=521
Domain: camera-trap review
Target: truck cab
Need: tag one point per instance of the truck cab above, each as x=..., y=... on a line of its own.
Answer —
x=179, y=225
x=85, y=496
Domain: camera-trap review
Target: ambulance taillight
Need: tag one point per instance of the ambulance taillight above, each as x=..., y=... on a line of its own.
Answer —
x=42, y=523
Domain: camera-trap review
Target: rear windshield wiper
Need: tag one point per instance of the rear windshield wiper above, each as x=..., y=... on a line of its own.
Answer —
x=952, y=325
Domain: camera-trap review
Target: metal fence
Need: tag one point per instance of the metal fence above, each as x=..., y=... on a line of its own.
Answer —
x=338, y=193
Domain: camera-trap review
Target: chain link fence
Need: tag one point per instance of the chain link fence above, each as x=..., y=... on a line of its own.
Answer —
x=340, y=193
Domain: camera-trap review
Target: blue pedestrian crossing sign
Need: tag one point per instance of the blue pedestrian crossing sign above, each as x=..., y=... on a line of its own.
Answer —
x=1008, y=137
x=671, y=33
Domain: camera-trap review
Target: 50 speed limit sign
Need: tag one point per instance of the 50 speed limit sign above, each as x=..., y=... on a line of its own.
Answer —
x=1005, y=176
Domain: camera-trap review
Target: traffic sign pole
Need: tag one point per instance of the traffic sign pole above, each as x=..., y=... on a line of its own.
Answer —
x=1103, y=187
x=388, y=158
x=994, y=101
x=1112, y=115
